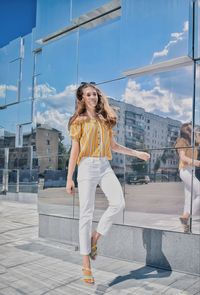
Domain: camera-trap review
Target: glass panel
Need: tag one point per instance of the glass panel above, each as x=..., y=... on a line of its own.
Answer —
x=1, y=181
x=196, y=180
x=3, y=74
x=20, y=158
x=25, y=112
x=10, y=118
x=13, y=181
x=13, y=86
x=28, y=181
x=52, y=182
x=8, y=122
x=58, y=76
x=27, y=69
x=2, y=158
x=54, y=91
x=38, y=62
x=197, y=29
x=79, y=7
x=163, y=27
x=15, y=48
x=151, y=110
x=99, y=52
x=51, y=16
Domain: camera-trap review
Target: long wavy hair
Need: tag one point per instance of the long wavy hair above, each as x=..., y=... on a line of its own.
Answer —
x=104, y=112
x=186, y=132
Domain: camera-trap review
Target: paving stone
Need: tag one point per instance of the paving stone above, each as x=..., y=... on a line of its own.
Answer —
x=31, y=266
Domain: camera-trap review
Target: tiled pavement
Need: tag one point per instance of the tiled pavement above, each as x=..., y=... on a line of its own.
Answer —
x=32, y=266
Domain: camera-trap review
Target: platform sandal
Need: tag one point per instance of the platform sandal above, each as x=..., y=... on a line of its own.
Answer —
x=87, y=276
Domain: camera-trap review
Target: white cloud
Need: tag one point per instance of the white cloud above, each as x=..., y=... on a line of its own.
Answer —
x=186, y=26
x=3, y=89
x=63, y=101
x=44, y=90
x=54, y=119
x=158, y=100
x=176, y=38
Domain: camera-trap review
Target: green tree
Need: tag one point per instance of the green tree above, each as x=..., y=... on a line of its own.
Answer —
x=63, y=154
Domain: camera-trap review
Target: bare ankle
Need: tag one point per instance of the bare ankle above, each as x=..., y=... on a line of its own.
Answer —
x=95, y=237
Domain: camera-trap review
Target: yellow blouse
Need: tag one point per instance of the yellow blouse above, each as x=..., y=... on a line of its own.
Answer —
x=93, y=136
x=183, y=145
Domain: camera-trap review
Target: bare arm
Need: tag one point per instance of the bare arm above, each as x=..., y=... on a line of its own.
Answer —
x=187, y=160
x=71, y=166
x=116, y=147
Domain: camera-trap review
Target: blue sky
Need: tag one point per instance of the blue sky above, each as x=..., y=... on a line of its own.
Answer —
x=17, y=18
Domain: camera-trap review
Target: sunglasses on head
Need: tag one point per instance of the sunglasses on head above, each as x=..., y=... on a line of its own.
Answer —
x=83, y=83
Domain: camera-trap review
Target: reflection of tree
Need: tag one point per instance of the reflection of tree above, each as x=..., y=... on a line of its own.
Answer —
x=139, y=166
x=63, y=158
x=156, y=165
x=168, y=154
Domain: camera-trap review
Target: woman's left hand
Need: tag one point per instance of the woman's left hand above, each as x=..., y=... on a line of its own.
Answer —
x=143, y=156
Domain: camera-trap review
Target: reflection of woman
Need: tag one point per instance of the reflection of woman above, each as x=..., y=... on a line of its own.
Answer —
x=186, y=161
x=91, y=130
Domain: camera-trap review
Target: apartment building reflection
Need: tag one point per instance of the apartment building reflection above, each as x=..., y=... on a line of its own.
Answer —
x=141, y=130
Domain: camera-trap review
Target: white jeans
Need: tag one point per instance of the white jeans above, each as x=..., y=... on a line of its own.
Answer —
x=93, y=171
x=186, y=176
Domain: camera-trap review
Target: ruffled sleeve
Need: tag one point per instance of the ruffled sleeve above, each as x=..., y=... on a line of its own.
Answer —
x=75, y=130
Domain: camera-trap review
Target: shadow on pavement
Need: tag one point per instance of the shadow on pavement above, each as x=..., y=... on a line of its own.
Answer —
x=153, y=257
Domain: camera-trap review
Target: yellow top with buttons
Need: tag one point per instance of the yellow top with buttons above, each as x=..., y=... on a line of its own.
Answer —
x=93, y=136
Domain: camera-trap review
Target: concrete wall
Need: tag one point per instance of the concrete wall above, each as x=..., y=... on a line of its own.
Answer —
x=164, y=249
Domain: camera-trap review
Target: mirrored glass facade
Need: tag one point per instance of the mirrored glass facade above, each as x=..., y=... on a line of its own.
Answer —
x=144, y=55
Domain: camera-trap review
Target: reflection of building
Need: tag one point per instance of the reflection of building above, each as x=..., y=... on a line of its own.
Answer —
x=160, y=133
x=45, y=142
x=138, y=129
x=20, y=158
x=43, y=139
x=7, y=140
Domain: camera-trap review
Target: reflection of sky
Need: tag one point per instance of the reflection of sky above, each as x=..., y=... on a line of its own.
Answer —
x=15, y=114
x=80, y=7
x=148, y=32
x=152, y=26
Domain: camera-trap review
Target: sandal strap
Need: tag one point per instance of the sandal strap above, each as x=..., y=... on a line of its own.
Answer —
x=86, y=268
x=88, y=277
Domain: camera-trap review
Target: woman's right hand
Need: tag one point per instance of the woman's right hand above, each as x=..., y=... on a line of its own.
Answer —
x=70, y=187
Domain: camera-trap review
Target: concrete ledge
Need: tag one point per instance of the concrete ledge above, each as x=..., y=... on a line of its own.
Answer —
x=159, y=248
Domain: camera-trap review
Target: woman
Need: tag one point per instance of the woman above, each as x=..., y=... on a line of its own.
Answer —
x=91, y=130
x=186, y=161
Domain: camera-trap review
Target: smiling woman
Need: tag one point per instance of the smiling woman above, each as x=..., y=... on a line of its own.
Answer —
x=94, y=168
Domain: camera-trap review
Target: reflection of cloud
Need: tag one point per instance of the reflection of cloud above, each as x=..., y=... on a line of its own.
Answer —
x=158, y=100
x=44, y=90
x=176, y=38
x=3, y=89
x=54, y=119
x=62, y=101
